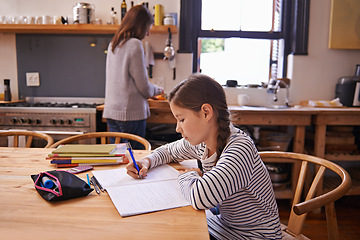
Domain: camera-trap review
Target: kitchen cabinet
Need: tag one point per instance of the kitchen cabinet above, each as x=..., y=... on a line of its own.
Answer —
x=74, y=29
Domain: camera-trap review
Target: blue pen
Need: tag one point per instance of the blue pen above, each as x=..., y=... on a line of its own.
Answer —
x=132, y=157
x=87, y=175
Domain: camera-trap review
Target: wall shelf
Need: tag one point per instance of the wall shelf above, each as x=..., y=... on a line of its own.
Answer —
x=73, y=29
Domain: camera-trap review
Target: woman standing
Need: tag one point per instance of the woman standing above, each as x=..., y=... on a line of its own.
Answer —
x=127, y=85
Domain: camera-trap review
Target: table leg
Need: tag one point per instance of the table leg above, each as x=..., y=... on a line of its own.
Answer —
x=319, y=141
x=319, y=151
x=299, y=139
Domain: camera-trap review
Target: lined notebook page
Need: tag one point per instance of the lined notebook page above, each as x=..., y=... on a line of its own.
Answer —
x=160, y=190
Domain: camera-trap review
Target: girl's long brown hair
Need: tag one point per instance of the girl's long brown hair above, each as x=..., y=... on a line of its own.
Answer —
x=135, y=24
x=199, y=89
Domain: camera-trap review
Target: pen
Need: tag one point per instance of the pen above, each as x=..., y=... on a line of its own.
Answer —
x=87, y=175
x=132, y=157
x=97, y=183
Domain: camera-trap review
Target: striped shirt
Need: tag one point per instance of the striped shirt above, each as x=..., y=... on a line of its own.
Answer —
x=239, y=185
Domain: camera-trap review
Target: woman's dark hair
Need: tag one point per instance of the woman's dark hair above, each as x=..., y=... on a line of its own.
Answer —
x=199, y=89
x=135, y=24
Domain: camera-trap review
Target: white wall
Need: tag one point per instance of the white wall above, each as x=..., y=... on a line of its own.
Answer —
x=312, y=77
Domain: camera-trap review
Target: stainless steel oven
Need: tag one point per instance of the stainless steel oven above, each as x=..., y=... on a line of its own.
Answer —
x=58, y=117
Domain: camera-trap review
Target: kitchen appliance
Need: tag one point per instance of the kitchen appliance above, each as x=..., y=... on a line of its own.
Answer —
x=83, y=13
x=58, y=117
x=348, y=89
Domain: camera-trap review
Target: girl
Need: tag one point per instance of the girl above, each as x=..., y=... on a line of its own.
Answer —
x=233, y=183
x=127, y=85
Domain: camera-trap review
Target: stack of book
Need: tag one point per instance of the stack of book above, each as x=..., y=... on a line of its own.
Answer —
x=73, y=155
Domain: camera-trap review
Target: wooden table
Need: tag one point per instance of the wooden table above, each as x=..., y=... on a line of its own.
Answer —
x=25, y=215
x=299, y=118
x=335, y=117
x=331, y=117
x=261, y=116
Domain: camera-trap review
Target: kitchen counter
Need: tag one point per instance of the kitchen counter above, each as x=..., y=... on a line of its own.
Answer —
x=14, y=101
x=300, y=117
x=160, y=112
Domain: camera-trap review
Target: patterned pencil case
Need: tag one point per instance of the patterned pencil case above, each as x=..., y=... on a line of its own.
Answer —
x=60, y=185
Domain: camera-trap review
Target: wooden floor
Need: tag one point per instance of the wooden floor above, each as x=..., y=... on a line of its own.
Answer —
x=348, y=216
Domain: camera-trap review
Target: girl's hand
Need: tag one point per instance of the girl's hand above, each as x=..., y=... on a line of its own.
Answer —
x=191, y=169
x=143, y=164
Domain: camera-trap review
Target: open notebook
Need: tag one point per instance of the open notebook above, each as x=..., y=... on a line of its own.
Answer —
x=160, y=190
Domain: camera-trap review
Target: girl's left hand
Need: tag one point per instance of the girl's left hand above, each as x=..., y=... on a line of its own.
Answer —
x=191, y=169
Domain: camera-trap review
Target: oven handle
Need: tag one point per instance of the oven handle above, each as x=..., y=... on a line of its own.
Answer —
x=50, y=132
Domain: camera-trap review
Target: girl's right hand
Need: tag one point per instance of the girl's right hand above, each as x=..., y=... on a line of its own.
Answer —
x=143, y=164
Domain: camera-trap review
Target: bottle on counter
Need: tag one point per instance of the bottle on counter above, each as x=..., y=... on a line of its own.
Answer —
x=111, y=16
x=112, y=20
x=123, y=9
x=115, y=19
x=7, y=92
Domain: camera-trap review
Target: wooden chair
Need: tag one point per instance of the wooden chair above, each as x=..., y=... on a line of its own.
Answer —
x=300, y=208
x=104, y=138
x=30, y=136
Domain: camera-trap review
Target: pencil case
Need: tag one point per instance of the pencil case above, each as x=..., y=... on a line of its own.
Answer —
x=60, y=185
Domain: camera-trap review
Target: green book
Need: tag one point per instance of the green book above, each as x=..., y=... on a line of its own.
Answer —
x=85, y=149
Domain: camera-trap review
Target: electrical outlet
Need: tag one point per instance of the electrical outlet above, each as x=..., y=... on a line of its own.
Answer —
x=32, y=79
x=159, y=81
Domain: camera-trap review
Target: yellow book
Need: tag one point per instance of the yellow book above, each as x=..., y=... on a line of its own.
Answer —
x=85, y=148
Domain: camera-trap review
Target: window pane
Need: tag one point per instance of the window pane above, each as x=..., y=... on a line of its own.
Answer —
x=235, y=15
x=244, y=60
x=220, y=15
x=256, y=15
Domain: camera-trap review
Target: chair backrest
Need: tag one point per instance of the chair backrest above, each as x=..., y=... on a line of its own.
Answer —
x=104, y=138
x=29, y=137
x=300, y=208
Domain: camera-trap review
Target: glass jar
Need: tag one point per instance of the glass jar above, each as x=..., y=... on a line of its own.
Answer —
x=169, y=20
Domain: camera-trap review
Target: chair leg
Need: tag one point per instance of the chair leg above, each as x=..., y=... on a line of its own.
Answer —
x=16, y=141
x=29, y=141
x=332, y=226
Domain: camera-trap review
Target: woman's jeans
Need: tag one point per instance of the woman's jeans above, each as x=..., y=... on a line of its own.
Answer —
x=133, y=127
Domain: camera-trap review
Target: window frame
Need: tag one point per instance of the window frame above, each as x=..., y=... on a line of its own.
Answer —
x=294, y=30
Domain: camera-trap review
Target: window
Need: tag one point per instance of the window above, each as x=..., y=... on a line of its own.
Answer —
x=243, y=40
